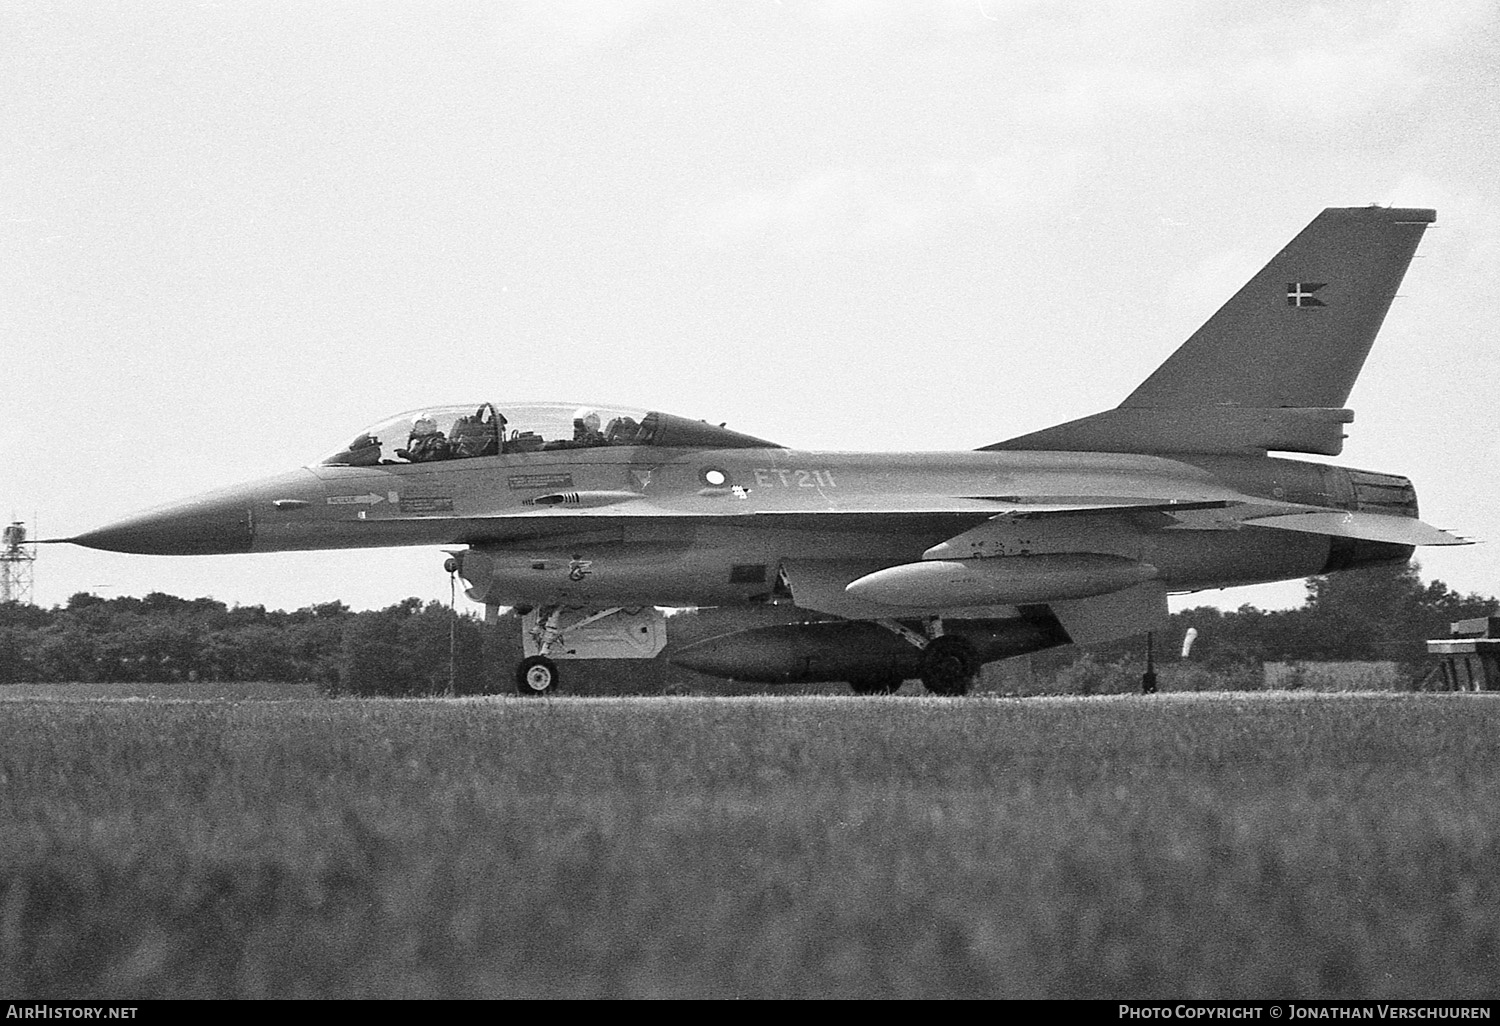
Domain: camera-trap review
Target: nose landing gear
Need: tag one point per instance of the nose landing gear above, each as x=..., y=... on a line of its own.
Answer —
x=536, y=676
x=567, y=630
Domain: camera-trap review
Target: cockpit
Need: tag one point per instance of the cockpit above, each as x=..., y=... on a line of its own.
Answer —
x=468, y=432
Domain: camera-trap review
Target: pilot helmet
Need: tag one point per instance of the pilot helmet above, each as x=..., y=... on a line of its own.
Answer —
x=424, y=425
x=588, y=417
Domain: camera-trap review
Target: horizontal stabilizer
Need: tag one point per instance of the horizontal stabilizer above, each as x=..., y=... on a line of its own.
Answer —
x=1364, y=526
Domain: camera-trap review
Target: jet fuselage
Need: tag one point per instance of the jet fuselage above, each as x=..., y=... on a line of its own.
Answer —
x=742, y=515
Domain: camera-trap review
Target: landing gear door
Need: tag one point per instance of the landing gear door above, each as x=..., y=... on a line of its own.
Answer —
x=634, y=632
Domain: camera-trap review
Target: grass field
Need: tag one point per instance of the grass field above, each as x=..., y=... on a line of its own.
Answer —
x=1175, y=846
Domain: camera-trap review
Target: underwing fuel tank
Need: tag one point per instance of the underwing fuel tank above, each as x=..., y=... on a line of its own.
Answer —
x=849, y=650
x=1002, y=580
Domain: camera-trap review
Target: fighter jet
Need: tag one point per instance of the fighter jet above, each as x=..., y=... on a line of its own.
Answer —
x=590, y=517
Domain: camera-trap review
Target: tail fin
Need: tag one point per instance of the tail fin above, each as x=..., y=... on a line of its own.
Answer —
x=1274, y=367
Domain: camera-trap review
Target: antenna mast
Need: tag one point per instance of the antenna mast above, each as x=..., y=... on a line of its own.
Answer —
x=17, y=558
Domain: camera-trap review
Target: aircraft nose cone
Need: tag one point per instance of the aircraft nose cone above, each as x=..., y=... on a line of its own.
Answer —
x=222, y=521
x=185, y=529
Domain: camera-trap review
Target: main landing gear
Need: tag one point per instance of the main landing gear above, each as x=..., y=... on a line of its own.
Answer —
x=948, y=663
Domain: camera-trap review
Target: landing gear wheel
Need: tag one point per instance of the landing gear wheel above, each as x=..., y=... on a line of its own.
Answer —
x=536, y=675
x=875, y=685
x=949, y=665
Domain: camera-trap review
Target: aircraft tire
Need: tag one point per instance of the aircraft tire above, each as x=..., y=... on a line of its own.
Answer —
x=948, y=666
x=536, y=676
x=875, y=685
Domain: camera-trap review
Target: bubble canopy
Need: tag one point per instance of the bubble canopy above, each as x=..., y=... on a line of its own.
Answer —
x=477, y=430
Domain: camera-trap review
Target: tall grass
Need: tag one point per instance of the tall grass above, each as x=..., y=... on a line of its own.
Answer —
x=1214, y=846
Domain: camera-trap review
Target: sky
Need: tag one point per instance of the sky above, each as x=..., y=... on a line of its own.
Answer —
x=233, y=234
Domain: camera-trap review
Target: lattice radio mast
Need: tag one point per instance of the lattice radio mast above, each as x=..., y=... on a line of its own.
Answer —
x=17, y=558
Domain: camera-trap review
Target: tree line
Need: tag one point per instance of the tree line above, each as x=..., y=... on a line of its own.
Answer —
x=1372, y=613
x=416, y=648
x=407, y=649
